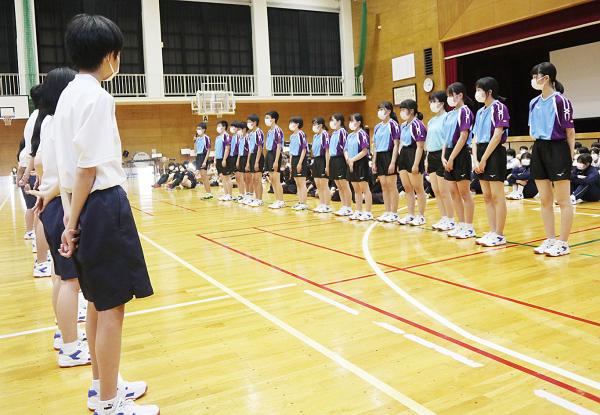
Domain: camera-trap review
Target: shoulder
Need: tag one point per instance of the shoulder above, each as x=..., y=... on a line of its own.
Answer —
x=534, y=101
x=561, y=100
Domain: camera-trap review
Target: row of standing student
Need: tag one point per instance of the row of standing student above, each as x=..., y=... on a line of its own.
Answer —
x=86, y=216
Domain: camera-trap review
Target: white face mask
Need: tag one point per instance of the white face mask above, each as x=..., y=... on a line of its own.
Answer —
x=435, y=107
x=404, y=115
x=353, y=125
x=250, y=125
x=580, y=166
x=451, y=102
x=381, y=114
x=293, y=126
x=535, y=85
x=480, y=96
x=113, y=72
x=594, y=156
x=332, y=125
x=509, y=158
x=220, y=129
x=525, y=162
x=268, y=122
x=523, y=151
x=171, y=168
x=199, y=131
x=315, y=129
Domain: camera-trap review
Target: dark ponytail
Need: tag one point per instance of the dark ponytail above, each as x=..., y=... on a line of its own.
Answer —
x=411, y=104
x=490, y=84
x=338, y=116
x=548, y=69
x=459, y=88
x=21, y=147
x=387, y=105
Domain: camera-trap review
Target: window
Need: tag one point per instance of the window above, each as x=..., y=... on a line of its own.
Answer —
x=51, y=22
x=8, y=37
x=206, y=38
x=304, y=42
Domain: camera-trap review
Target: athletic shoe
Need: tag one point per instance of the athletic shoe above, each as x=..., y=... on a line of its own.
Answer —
x=559, y=248
x=122, y=406
x=438, y=225
x=81, y=308
x=80, y=357
x=29, y=235
x=383, y=217
x=518, y=196
x=275, y=205
x=544, y=247
x=222, y=198
x=455, y=231
x=327, y=209
x=238, y=199
x=42, y=269
x=495, y=240
x=344, y=211
x=417, y=221
x=366, y=216
x=392, y=218
x=57, y=340
x=484, y=238
x=466, y=233
x=406, y=220
x=355, y=216
x=125, y=389
x=33, y=246
x=319, y=209
x=256, y=203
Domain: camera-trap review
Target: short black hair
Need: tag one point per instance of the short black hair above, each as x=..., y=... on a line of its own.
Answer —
x=578, y=144
x=89, y=38
x=594, y=145
x=320, y=121
x=585, y=159
x=203, y=126
x=36, y=95
x=584, y=150
x=223, y=123
x=357, y=117
x=523, y=148
x=511, y=152
x=297, y=120
x=253, y=118
x=241, y=125
x=273, y=114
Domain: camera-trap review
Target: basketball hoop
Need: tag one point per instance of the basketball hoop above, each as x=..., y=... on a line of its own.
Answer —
x=7, y=120
x=7, y=114
x=214, y=99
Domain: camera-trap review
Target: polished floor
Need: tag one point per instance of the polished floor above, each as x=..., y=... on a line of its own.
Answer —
x=281, y=312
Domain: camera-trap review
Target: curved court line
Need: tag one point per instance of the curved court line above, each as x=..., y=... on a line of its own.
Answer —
x=341, y=361
x=459, y=330
x=568, y=405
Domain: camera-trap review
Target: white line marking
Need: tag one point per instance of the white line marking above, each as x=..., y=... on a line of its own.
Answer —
x=276, y=287
x=443, y=350
x=4, y=201
x=389, y=327
x=574, y=212
x=332, y=302
x=361, y=373
x=457, y=329
x=568, y=405
x=133, y=313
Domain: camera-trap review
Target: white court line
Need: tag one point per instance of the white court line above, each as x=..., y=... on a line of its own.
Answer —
x=276, y=287
x=556, y=210
x=341, y=361
x=4, y=201
x=133, y=313
x=456, y=356
x=459, y=330
x=332, y=302
x=568, y=405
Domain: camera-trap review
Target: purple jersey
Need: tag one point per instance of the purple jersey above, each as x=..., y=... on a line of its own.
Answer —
x=356, y=142
x=297, y=143
x=274, y=138
x=243, y=146
x=255, y=139
x=457, y=121
x=221, y=142
x=488, y=119
x=385, y=135
x=412, y=132
x=337, y=141
x=320, y=144
x=549, y=118
x=202, y=144
x=234, y=146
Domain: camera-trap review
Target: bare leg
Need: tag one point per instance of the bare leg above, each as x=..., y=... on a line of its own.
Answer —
x=547, y=200
x=67, y=309
x=393, y=180
x=108, y=349
x=445, y=196
x=258, y=187
x=29, y=220
x=457, y=201
x=416, y=180
x=40, y=241
x=499, y=202
x=366, y=191
x=467, y=199
x=55, y=291
x=205, y=180
x=409, y=192
x=91, y=325
x=301, y=189
x=357, y=196
x=490, y=207
x=563, y=192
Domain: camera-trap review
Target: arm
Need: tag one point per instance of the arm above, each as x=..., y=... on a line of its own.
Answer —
x=301, y=160
x=277, y=154
x=418, y=156
x=84, y=180
x=571, y=140
x=494, y=142
x=225, y=155
x=327, y=157
x=394, y=155
x=259, y=151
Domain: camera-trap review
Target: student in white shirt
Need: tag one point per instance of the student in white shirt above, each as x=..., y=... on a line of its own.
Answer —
x=100, y=233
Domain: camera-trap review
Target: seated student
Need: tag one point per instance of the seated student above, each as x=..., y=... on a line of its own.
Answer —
x=522, y=150
x=585, y=181
x=177, y=178
x=512, y=161
x=189, y=180
x=475, y=185
x=166, y=176
x=520, y=179
x=596, y=157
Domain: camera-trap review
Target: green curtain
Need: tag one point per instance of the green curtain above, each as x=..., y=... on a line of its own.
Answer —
x=358, y=69
x=29, y=40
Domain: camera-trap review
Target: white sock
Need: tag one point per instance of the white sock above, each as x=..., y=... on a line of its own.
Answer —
x=69, y=348
x=96, y=384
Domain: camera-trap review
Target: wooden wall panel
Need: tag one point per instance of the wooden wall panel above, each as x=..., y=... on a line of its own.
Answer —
x=9, y=144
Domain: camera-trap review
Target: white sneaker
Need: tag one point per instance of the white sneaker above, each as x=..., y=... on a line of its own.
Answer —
x=82, y=306
x=33, y=246
x=80, y=357
x=29, y=235
x=366, y=216
x=122, y=406
x=256, y=203
x=406, y=220
x=455, y=230
x=383, y=217
x=518, y=196
x=127, y=390
x=42, y=269
x=495, y=240
x=559, y=248
x=300, y=206
x=207, y=196
x=447, y=225
x=278, y=204
x=466, y=233
x=392, y=218
x=318, y=209
x=341, y=211
x=238, y=199
x=417, y=221
x=438, y=225
x=356, y=215
x=544, y=247
x=327, y=209
x=57, y=340
x=484, y=238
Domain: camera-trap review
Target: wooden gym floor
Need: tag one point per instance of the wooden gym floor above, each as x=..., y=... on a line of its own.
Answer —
x=281, y=312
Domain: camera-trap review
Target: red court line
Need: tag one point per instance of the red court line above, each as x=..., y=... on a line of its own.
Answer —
x=252, y=227
x=467, y=287
x=261, y=232
x=140, y=210
x=431, y=331
x=179, y=206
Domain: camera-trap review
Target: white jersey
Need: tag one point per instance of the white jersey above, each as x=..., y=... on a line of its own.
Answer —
x=28, y=131
x=47, y=155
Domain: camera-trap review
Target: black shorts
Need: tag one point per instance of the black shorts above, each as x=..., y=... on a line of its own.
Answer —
x=463, y=166
x=338, y=170
x=29, y=199
x=199, y=160
x=225, y=171
x=52, y=219
x=434, y=163
x=303, y=170
x=495, y=167
x=406, y=159
x=270, y=162
x=360, y=171
x=109, y=260
x=384, y=159
x=261, y=163
x=230, y=169
x=551, y=160
x=318, y=167
x=242, y=164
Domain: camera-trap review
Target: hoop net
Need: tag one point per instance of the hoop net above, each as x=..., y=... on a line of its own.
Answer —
x=214, y=99
x=7, y=120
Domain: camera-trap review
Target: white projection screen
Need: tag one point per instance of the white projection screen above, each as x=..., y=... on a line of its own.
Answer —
x=579, y=71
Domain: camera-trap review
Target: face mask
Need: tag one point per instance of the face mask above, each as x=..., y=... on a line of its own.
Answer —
x=220, y=129
x=525, y=162
x=523, y=151
x=580, y=166
x=250, y=125
x=171, y=168
x=435, y=107
x=381, y=114
x=404, y=115
x=199, y=132
x=332, y=125
x=353, y=125
x=535, y=85
x=268, y=122
x=315, y=129
x=292, y=127
x=480, y=96
x=112, y=70
x=232, y=130
x=509, y=158
x=451, y=102
x=594, y=156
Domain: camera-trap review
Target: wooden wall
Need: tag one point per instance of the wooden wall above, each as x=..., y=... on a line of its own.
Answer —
x=9, y=144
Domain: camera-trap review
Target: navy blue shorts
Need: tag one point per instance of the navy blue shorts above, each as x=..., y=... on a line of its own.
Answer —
x=52, y=219
x=29, y=199
x=109, y=259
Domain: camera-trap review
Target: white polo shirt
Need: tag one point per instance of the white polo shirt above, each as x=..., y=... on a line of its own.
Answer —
x=48, y=156
x=85, y=134
x=28, y=130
